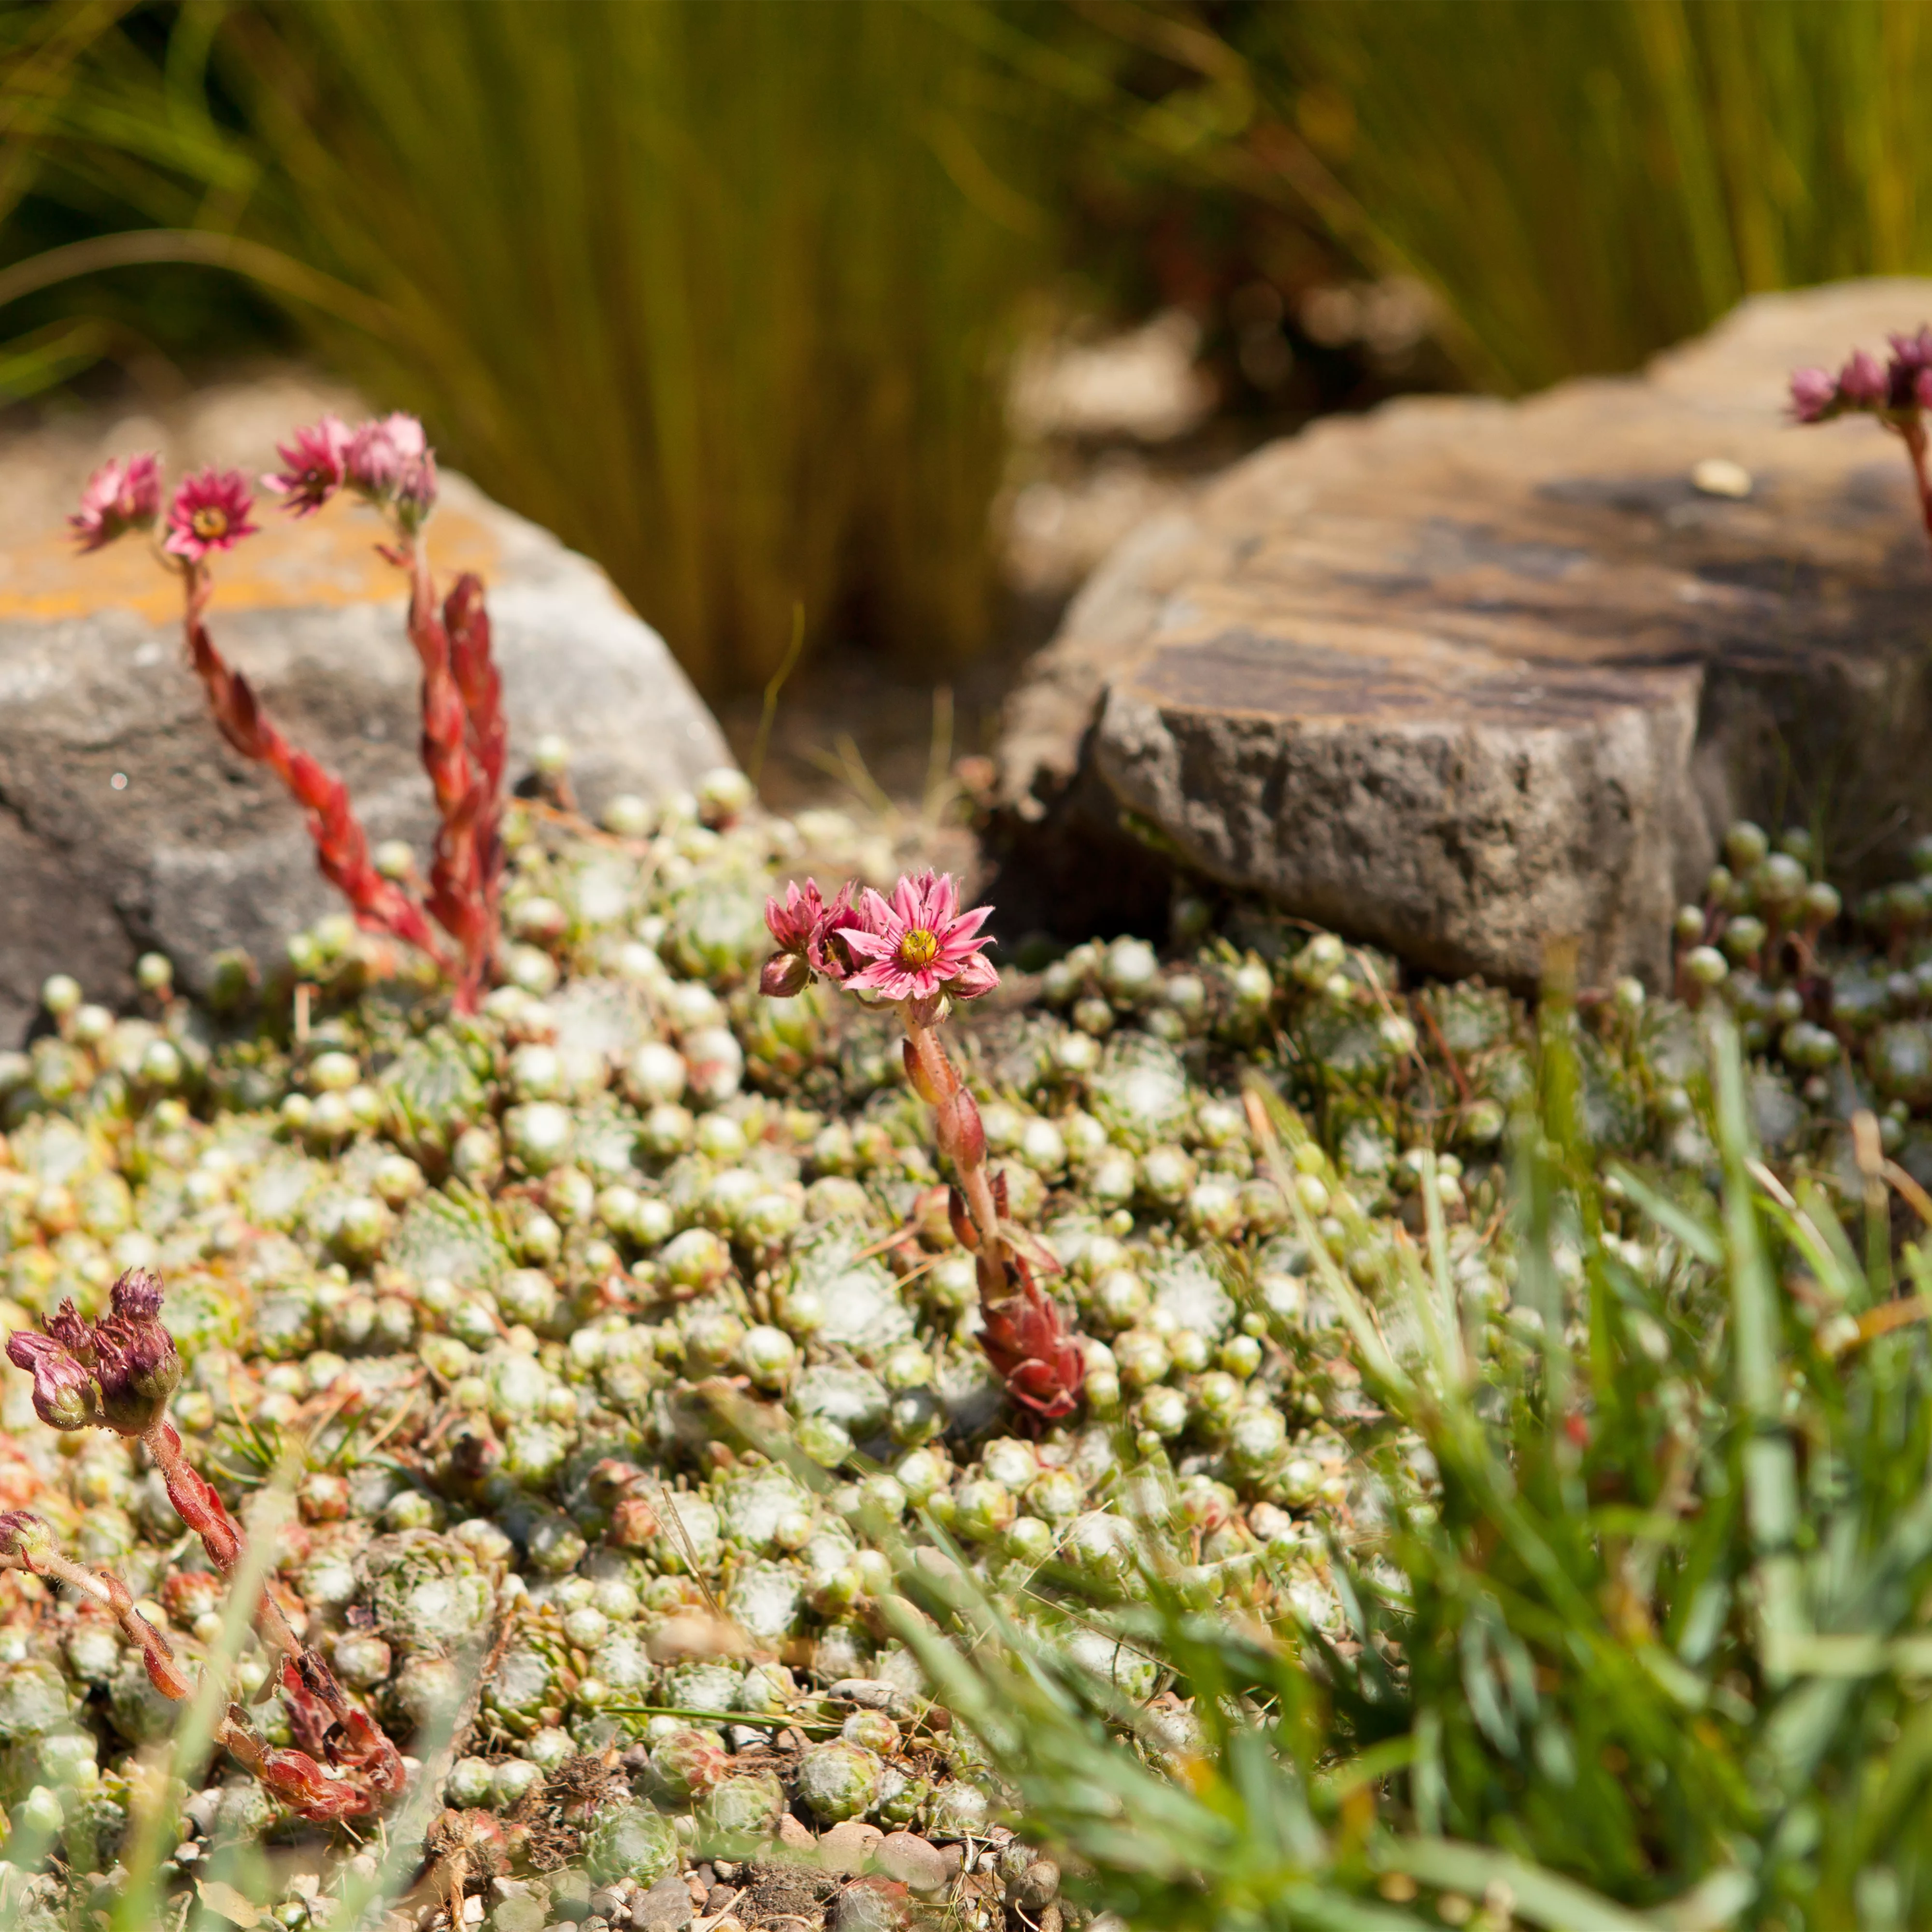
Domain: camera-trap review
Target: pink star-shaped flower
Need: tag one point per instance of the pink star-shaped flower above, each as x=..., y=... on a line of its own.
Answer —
x=919, y=944
x=210, y=512
x=316, y=461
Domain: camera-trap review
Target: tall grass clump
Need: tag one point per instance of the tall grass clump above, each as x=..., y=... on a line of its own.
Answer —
x=715, y=289
x=1642, y=1642
x=1586, y=185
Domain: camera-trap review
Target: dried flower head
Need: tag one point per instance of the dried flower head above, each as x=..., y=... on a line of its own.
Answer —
x=65, y=1396
x=118, y=1373
x=119, y=497
x=21, y=1531
x=919, y=944
x=315, y=458
x=210, y=512
x=137, y=1367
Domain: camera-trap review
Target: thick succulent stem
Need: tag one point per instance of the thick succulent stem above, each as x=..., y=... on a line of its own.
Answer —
x=464, y=746
x=1913, y=431
x=955, y=1118
x=341, y=845
x=198, y=1506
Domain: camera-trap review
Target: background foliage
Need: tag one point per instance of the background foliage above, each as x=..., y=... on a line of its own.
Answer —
x=722, y=289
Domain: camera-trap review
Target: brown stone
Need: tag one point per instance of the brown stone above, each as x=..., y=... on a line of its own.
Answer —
x=914, y=1861
x=194, y=849
x=1464, y=676
x=848, y=1845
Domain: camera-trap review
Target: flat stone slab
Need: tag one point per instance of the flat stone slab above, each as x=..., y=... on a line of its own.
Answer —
x=125, y=823
x=1464, y=676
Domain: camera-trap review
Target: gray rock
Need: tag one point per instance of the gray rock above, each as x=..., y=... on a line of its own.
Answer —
x=1464, y=677
x=195, y=849
x=666, y=1907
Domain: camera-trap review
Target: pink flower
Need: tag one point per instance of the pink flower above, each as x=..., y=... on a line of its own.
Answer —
x=315, y=460
x=920, y=944
x=1862, y=384
x=390, y=462
x=416, y=489
x=807, y=931
x=210, y=512
x=1911, y=353
x=794, y=927
x=119, y=497
x=1814, y=395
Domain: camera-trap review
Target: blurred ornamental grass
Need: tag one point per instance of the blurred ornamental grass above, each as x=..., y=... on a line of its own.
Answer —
x=1580, y=186
x=718, y=290
x=1584, y=185
x=1644, y=1647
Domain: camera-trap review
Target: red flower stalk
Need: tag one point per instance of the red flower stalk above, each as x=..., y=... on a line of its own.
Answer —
x=341, y=844
x=920, y=952
x=1897, y=392
x=463, y=745
x=129, y=1367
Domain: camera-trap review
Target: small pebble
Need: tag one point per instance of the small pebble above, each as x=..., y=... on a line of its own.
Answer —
x=1719, y=476
x=847, y=1847
x=917, y=1865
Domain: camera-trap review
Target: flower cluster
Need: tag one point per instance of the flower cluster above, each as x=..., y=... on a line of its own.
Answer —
x=387, y=462
x=1898, y=393
x=117, y=1373
x=209, y=511
x=1894, y=390
x=917, y=946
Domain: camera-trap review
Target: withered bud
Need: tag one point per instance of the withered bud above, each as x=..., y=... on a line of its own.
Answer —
x=21, y=1533
x=65, y=1396
x=138, y=1366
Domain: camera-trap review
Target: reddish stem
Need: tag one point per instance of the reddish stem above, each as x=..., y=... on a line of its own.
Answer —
x=939, y=1083
x=341, y=845
x=1022, y=1333
x=1913, y=431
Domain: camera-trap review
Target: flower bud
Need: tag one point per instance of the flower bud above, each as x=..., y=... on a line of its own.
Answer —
x=959, y=1131
x=64, y=1397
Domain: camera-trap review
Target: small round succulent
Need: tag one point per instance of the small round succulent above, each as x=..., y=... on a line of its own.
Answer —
x=629, y=1841
x=738, y=1814
x=838, y=1780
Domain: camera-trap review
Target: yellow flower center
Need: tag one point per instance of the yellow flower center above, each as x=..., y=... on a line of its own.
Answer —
x=209, y=521
x=918, y=949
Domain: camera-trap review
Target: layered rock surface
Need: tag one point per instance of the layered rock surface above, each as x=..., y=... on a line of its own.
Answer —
x=126, y=823
x=1464, y=677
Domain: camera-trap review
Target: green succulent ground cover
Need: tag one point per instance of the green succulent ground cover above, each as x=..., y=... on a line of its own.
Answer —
x=1498, y=1495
